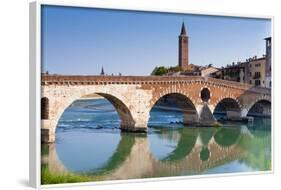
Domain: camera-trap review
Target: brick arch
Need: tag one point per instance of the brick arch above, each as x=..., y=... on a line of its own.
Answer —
x=168, y=91
x=118, y=101
x=227, y=97
x=188, y=117
x=259, y=98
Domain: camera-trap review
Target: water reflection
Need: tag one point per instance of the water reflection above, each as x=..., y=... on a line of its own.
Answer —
x=111, y=155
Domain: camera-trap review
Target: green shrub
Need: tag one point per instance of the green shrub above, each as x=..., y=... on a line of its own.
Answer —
x=50, y=178
x=159, y=71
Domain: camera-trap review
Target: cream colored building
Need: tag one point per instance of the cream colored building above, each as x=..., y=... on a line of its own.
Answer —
x=208, y=71
x=257, y=71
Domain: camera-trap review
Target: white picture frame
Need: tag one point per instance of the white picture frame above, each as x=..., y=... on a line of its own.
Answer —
x=35, y=91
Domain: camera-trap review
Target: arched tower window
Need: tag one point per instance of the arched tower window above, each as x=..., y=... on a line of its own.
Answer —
x=44, y=108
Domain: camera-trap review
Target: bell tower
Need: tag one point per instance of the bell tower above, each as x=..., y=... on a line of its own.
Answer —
x=183, y=48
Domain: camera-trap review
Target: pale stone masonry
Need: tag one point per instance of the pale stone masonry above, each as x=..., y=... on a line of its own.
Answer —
x=134, y=97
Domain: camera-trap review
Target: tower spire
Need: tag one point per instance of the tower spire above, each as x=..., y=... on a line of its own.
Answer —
x=102, y=71
x=183, y=31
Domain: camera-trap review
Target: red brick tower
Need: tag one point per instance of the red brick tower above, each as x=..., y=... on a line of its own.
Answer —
x=183, y=48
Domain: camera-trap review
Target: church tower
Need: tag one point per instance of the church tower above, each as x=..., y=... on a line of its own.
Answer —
x=183, y=48
x=102, y=71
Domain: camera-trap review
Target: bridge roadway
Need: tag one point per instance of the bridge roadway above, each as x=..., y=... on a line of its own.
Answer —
x=134, y=96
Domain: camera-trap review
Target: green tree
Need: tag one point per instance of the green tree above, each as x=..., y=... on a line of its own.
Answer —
x=159, y=71
x=174, y=69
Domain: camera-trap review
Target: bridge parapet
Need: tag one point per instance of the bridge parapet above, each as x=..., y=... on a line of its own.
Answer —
x=145, y=80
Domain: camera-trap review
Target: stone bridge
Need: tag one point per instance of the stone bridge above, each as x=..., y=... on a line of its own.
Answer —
x=134, y=96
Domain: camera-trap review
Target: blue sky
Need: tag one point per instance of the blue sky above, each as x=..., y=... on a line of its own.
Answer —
x=82, y=40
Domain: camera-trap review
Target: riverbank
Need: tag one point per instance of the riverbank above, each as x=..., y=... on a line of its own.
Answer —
x=48, y=177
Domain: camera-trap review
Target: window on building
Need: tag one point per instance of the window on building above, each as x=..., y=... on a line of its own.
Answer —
x=250, y=82
x=257, y=82
x=250, y=74
x=257, y=75
x=257, y=65
x=270, y=84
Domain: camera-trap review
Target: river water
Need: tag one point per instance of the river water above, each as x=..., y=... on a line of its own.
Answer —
x=90, y=143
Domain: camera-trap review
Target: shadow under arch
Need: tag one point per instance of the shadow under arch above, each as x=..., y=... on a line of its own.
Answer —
x=176, y=102
x=123, y=111
x=261, y=107
x=229, y=107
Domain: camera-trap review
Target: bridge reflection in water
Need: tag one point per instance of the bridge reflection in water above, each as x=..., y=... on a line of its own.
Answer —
x=197, y=151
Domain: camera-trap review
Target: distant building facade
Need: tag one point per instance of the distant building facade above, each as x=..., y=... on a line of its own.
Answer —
x=208, y=71
x=195, y=70
x=254, y=71
x=257, y=67
x=191, y=70
x=235, y=72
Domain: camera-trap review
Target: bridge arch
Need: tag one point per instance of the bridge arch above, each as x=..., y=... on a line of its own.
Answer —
x=261, y=105
x=122, y=109
x=118, y=102
x=170, y=90
x=228, y=106
x=178, y=101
